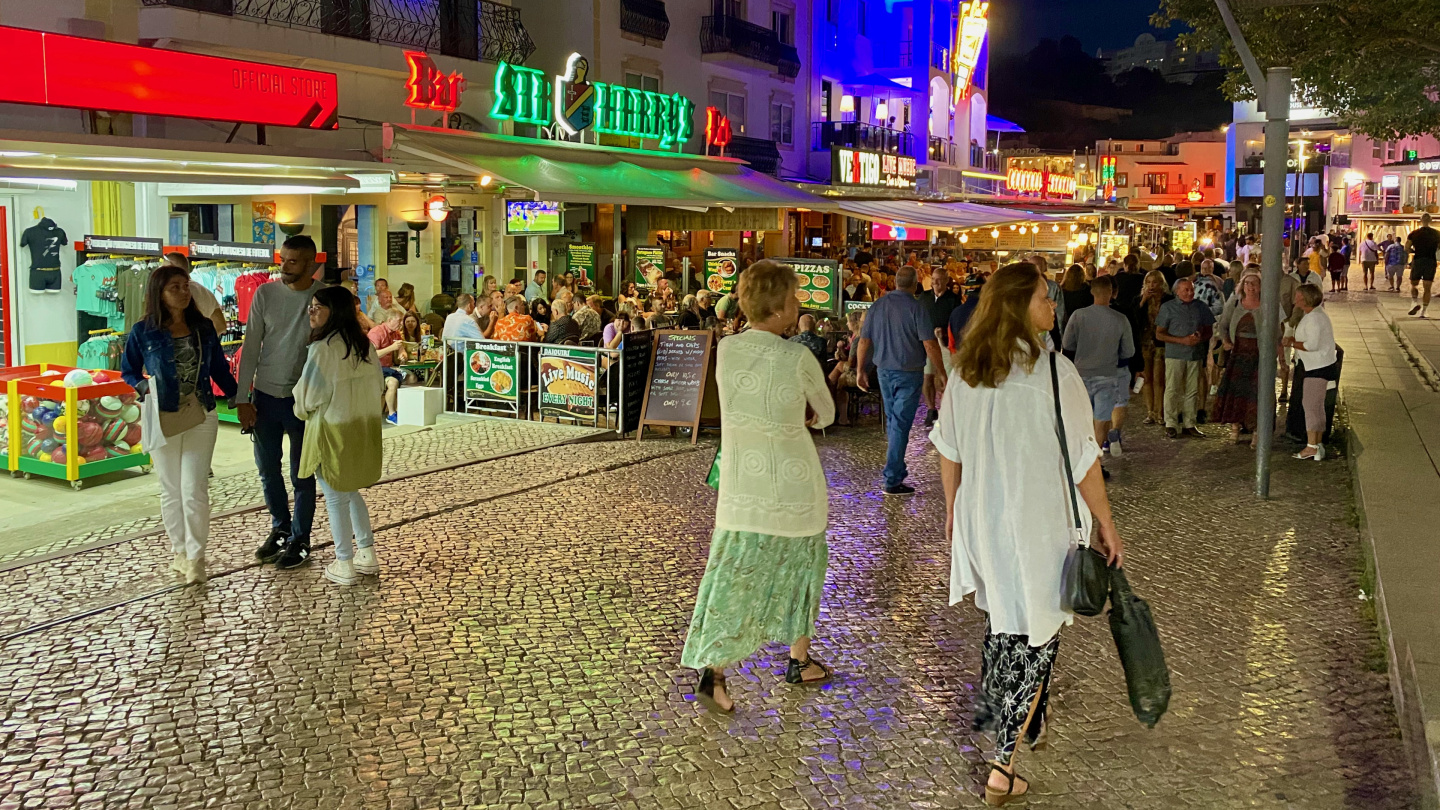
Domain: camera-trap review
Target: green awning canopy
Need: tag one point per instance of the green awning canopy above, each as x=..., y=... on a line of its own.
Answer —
x=583, y=173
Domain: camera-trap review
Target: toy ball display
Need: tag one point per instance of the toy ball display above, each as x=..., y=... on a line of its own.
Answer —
x=31, y=446
x=97, y=454
x=117, y=449
x=58, y=383
x=90, y=433
x=28, y=403
x=51, y=373
x=100, y=376
x=108, y=407
x=45, y=457
x=130, y=413
x=43, y=432
x=48, y=445
x=58, y=455
x=126, y=399
x=82, y=408
x=76, y=377
x=135, y=448
x=132, y=435
x=115, y=431
x=58, y=429
x=29, y=425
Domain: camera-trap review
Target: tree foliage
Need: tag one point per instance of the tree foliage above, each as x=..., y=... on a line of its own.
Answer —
x=1374, y=64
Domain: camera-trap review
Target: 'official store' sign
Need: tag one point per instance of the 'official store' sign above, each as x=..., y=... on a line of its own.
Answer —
x=574, y=103
x=56, y=70
x=862, y=167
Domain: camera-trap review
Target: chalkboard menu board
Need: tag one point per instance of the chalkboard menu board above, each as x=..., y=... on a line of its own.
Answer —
x=678, y=371
x=635, y=358
x=397, y=247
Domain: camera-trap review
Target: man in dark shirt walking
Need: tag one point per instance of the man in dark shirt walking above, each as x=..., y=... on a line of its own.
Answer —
x=899, y=338
x=1423, y=242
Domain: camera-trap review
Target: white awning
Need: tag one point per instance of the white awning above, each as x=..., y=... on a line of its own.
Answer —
x=956, y=215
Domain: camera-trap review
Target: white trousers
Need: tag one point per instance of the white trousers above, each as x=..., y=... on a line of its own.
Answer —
x=183, y=463
x=349, y=520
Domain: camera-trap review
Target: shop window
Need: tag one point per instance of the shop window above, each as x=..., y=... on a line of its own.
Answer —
x=1122, y=180
x=781, y=22
x=642, y=81
x=1139, y=147
x=1157, y=182
x=1389, y=151
x=729, y=8
x=731, y=106
x=826, y=91
x=782, y=124
x=1209, y=180
x=1375, y=150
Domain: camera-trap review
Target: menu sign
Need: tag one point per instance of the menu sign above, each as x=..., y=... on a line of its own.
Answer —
x=1182, y=240
x=568, y=382
x=580, y=260
x=397, y=247
x=678, y=372
x=1113, y=244
x=819, y=283
x=1051, y=240
x=490, y=372
x=722, y=269
x=635, y=360
x=649, y=264
x=1013, y=240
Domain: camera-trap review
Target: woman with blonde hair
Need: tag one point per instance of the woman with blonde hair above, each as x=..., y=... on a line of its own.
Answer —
x=1011, y=504
x=768, y=553
x=1153, y=293
x=405, y=297
x=1237, y=402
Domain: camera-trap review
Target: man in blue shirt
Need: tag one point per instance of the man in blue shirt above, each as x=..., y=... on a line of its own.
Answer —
x=898, y=338
x=1184, y=326
x=1394, y=251
x=536, y=288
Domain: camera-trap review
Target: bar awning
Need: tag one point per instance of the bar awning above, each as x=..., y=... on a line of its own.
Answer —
x=955, y=215
x=584, y=173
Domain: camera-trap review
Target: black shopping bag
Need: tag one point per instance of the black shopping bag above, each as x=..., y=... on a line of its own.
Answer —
x=1147, y=678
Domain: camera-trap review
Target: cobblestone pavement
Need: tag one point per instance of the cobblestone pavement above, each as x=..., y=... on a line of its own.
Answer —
x=523, y=653
x=405, y=454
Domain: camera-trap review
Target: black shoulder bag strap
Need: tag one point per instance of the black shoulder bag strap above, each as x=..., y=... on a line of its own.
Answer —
x=1079, y=529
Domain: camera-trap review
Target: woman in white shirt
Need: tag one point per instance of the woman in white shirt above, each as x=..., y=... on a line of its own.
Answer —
x=1007, y=508
x=1314, y=344
x=768, y=553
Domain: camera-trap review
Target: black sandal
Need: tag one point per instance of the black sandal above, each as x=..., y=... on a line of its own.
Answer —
x=794, y=674
x=705, y=691
x=997, y=798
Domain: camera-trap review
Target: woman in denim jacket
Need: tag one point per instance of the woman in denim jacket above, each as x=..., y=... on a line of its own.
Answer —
x=178, y=348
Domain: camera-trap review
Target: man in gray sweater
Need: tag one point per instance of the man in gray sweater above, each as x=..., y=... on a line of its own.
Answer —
x=276, y=334
x=1100, y=342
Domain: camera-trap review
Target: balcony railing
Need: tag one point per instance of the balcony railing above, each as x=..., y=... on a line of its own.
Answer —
x=489, y=32
x=647, y=18
x=939, y=57
x=722, y=33
x=942, y=150
x=762, y=154
x=825, y=134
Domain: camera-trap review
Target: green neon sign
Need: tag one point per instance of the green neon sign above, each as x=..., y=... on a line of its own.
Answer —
x=574, y=103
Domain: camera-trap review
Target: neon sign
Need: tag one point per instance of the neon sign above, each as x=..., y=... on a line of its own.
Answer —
x=1195, y=195
x=860, y=167
x=1032, y=181
x=56, y=70
x=1107, y=176
x=429, y=89
x=970, y=32
x=576, y=104
x=717, y=128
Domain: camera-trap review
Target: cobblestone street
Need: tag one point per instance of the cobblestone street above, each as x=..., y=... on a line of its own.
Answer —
x=521, y=651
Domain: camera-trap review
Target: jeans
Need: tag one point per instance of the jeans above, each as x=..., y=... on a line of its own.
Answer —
x=274, y=420
x=901, y=392
x=348, y=518
x=183, y=464
x=1182, y=392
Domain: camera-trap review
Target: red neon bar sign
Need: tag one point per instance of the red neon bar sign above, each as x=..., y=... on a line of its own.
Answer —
x=56, y=70
x=427, y=88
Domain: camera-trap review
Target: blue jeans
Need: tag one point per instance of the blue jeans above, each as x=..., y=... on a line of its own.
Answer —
x=349, y=521
x=274, y=420
x=901, y=392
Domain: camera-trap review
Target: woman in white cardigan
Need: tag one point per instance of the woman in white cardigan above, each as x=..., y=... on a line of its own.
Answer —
x=768, y=553
x=336, y=396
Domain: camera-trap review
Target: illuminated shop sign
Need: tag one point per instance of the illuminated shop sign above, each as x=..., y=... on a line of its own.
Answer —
x=1393, y=180
x=1034, y=181
x=969, y=36
x=1107, y=176
x=862, y=167
x=1431, y=166
x=717, y=128
x=56, y=70
x=427, y=88
x=574, y=103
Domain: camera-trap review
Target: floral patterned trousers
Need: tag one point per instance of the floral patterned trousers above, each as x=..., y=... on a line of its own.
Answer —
x=1011, y=674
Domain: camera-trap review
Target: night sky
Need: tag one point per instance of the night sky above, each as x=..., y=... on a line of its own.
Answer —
x=1109, y=24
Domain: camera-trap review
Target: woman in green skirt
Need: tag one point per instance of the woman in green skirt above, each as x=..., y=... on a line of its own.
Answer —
x=768, y=553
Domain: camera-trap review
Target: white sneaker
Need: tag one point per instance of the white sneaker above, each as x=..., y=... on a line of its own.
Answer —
x=195, y=571
x=341, y=572
x=180, y=563
x=1115, y=450
x=366, y=562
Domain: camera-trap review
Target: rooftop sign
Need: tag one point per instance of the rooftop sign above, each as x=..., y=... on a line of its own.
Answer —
x=970, y=33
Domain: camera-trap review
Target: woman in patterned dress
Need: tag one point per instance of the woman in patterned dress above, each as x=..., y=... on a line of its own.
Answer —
x=1008, y=511
x=768, y=552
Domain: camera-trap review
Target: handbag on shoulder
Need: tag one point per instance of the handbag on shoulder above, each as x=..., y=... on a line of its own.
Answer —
x=1085, y=579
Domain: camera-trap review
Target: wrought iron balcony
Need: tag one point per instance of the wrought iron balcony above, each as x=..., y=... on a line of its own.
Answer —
x=487, y=31
x=722, y=33
x=825, y=134
x=762, y=154
x=646, y=18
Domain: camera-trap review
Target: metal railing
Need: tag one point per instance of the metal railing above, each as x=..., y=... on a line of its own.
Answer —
x=647, y=18
x=583, y=385
x=762, y=154
x=499, y=33
x=942, y=150
x=939, y=57
x=722, y=33
x=825, y=134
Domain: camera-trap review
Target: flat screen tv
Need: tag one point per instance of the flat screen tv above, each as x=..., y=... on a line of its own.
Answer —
x=527, y=218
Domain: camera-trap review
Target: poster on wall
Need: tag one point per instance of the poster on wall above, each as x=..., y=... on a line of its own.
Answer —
x=722, y=268
x=580, y=260
x=262, y=222
x=819, y=281
x=568, y=381
x=490, y=373
x=649, y=264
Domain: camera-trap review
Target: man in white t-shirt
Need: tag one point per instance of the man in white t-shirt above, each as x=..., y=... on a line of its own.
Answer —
x=1369, y=257
x=1243, y=252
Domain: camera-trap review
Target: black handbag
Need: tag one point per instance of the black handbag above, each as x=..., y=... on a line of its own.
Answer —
x=1147, y=678
x=1085, y=579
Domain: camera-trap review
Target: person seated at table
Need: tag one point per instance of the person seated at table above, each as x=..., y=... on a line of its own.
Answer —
x=517, y=326
x=563, y=328
x=629, y=294
x=588, y=317
x=385, y=306
x=463, y=316
x=706, y=302
x=540, y=311
x=655, y=316
x=843, y=378
x=410, y=332
x=405, y=297
x=808, y=335
x=614, y=333
x=690, y=317
x=385, y=337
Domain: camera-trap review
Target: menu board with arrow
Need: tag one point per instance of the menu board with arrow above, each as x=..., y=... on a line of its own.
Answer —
x=679, y=370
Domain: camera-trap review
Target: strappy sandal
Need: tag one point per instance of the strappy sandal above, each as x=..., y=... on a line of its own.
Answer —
x=705, y=691
x=998, y=798
x=794, y=674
